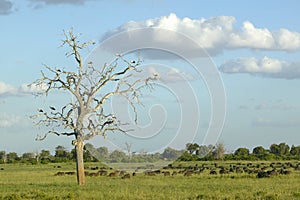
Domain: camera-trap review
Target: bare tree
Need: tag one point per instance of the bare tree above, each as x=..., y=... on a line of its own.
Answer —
x=219, y=151
x=128, y=149
x=87, y=117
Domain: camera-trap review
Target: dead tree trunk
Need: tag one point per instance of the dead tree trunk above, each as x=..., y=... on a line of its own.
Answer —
x=79, y=161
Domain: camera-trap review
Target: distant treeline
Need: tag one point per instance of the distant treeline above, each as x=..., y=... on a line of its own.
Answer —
x=280, y=151
x=192, y=152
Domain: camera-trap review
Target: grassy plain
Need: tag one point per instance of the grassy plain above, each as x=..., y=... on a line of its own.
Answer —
x=21, y=181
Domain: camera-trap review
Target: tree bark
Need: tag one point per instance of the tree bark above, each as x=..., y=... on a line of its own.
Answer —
x=79, y=162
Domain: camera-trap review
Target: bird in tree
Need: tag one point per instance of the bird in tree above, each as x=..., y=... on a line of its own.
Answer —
x=52, y=108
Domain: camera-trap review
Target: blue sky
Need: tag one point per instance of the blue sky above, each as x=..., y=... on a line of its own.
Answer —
x=255, y=45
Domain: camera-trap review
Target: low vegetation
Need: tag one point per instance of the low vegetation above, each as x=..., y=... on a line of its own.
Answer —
x=180, y=180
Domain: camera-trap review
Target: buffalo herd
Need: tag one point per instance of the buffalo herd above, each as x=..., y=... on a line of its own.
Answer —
x=261, y=170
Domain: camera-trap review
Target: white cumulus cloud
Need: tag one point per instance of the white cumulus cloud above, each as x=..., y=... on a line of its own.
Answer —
x=24, y=89
x=7, y=90
x=287, y=40
x=32, y=88
x=252, y=37
x=213, y=34
x=266, y=67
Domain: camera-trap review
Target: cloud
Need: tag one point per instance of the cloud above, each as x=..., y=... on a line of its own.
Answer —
x=6, y=7
x=279, y=106
x=262, y=122
x=266, y=67
x=169, y=74
x=213, y=34
x=24, y=89
x=288, y=40
x=174, y=75
x=40, y=3
x=7, y=90
x=251, y=37
x=8, y=120
x=32, y=89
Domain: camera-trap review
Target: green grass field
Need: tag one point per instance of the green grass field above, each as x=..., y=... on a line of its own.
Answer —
x=19, y=181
